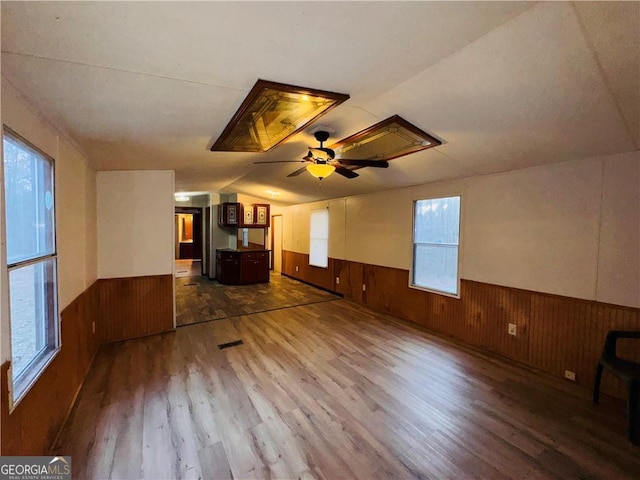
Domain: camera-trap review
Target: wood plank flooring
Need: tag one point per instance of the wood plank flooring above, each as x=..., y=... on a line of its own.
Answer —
x=188, y=268
x=332, y=390
x=199, y=299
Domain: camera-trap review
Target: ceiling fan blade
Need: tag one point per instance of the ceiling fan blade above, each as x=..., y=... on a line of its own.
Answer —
x=322, y=153
x=364, y=163
x=281, y=161
x=345, y=172
x=297, y=172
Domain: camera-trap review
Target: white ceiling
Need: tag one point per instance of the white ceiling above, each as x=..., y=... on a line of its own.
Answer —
x=504, y=85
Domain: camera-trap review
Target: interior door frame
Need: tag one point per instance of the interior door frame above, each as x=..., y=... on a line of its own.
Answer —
x=271, y=237
x=197, y=227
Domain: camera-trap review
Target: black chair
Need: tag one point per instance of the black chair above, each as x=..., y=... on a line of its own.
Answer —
x=628, y=372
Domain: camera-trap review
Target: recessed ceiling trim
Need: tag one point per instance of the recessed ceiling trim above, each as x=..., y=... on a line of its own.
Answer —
x=271, y=113
x=391, y=138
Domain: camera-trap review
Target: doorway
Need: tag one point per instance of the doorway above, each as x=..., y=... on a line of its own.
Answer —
x=276, y=243
x=188, y=240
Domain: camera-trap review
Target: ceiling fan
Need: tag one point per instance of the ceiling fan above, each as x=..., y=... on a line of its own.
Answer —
x=322, y=162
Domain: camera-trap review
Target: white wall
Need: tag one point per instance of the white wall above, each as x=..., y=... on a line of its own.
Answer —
x=619, y=253
x=569, y=229
x=535, y=229
x=75, y=205
x=135, y=223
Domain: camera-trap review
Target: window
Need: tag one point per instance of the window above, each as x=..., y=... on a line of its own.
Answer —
x=31, y=259
x=319, y=234
x=436, y=227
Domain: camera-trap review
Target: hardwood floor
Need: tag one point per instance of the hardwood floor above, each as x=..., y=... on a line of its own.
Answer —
x=188, y=268
x=199, y=299
x=332, y=390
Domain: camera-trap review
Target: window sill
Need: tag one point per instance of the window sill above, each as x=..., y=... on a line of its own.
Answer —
x=437, y=292
x=21, y=387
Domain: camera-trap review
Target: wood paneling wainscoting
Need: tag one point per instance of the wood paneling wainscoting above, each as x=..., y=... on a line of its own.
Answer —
x=554, y=333
x=135, y=307
x=35, y=422
x=121, y=308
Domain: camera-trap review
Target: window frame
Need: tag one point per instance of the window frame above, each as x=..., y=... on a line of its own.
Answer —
x=311, y=238
x=413, y=247
x=20, y=385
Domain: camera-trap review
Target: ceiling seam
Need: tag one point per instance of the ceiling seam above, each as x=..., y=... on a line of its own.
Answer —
x=459, y=50
x=473, y=171
x=452, y=54
x=104, y=67
x=603, y=75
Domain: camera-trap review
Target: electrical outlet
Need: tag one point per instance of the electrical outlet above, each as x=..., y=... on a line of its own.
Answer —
x=569, y=375
x=296, y=268
x=337, y=280
x=364, y=287
x=512, y=329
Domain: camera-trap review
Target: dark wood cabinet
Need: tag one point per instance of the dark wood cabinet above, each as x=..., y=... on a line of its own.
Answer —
x=255, y=267
x=244, y=216
x=229, y=214
x=186, y=250
x=237, y=267
x=261, y=216
x=228, y=268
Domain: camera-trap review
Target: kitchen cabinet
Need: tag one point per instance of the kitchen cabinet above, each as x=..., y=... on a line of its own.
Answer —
x=229, y=214
x=233, y=214
x=261, y=216
x=239, y=267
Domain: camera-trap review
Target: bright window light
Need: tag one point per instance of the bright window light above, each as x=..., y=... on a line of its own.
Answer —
x=436, y=242
x=319, y=235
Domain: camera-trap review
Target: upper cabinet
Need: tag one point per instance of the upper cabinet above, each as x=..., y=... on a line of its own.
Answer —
x=244, y=216
x=248, y=216
x=261, y=215
x=229, y=215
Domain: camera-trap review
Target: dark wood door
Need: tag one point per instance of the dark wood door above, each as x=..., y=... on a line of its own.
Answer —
x=206, y=264
x=255, y=267
x=249, y=269
x=231, y=273
x=197, y=235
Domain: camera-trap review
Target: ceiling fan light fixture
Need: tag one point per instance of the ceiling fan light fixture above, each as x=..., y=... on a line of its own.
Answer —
x=320, y=170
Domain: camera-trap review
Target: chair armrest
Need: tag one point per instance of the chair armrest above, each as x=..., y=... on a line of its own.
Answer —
x=612, y=338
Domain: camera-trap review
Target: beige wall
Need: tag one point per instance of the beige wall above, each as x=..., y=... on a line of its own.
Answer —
x=75, y=205
x=619, y=247
x=296, y=226
x=535, y=229
x=569, y=229
x=135, y=223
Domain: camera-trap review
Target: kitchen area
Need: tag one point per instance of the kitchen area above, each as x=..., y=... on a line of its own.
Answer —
x=248, y=261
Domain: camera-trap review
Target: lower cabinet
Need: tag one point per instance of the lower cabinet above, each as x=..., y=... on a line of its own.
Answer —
x=238, y=267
